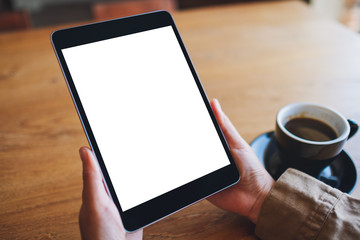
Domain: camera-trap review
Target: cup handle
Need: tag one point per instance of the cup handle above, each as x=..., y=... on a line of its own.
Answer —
x=353, y=128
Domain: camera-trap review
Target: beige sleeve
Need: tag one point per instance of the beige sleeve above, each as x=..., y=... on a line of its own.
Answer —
x=301, y=207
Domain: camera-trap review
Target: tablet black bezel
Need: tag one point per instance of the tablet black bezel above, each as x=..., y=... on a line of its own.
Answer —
x=165, y=204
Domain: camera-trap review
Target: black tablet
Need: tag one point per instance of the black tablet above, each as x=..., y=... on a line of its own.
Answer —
x=145, y=114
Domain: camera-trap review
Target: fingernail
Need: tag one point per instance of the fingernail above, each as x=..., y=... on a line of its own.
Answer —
x=218, y=104
x=82, y=152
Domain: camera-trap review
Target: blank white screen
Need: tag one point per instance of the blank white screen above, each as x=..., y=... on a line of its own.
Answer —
x=147, y=115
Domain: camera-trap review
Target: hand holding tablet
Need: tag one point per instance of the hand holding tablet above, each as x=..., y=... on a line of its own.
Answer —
x=132, y=80
x=245, y=197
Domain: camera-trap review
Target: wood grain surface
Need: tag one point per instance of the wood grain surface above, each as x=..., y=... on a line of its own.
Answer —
x=254, y=58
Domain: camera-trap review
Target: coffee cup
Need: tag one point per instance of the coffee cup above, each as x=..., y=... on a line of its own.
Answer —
x=310, y=136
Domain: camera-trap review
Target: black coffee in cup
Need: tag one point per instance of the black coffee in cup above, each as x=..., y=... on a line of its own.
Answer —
x=311, y=129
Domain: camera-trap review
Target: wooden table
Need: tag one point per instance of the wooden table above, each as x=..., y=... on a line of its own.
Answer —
x=254, y=58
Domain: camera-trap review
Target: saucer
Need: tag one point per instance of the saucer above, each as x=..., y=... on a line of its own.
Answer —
x=340, y=174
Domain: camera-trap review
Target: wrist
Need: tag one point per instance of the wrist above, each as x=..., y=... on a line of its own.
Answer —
x=260, y=199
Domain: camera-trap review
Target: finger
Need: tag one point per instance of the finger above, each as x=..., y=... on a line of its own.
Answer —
x=244, y=156
x=232, y=136
x=93, y=185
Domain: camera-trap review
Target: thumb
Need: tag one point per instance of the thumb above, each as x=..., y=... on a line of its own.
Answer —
x=232, y=136
x=92, y=181
x=244, y=157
